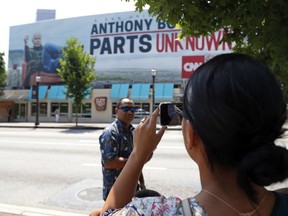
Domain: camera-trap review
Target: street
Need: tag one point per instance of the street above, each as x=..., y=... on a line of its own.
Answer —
x=60, y=168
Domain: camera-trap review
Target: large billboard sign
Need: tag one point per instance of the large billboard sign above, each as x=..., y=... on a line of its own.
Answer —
x=126, y=46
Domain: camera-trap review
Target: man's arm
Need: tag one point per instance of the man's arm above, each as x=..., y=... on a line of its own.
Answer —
x=109, y=151
x=27, y=54
x=116, y=163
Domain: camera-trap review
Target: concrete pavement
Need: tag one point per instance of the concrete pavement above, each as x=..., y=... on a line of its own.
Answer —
x=12, y=210
x=94, y=126
x=65, y=125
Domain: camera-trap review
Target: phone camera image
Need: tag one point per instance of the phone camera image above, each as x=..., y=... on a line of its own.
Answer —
x=170, y=114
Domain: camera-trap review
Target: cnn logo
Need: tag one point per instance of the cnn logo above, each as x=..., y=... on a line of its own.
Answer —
x=190, y=64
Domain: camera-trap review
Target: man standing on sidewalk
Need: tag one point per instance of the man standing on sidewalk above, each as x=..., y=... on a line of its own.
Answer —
x=9, y=114
x=116, y=144
x=57, y=115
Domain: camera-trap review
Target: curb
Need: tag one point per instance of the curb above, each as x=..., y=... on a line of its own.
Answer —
x=73, y=127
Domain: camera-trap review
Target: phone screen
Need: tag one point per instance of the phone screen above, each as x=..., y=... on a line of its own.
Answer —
x=170, y=114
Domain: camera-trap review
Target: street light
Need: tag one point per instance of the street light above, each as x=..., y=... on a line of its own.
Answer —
x=38, y=79
x=153, y=73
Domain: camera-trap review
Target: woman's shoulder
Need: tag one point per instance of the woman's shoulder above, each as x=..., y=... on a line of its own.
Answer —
x=159, y=205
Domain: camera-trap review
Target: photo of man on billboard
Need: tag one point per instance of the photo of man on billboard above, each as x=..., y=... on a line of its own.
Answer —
x=40, y=60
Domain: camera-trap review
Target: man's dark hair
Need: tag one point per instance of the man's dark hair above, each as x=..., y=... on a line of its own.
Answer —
x=119, y=103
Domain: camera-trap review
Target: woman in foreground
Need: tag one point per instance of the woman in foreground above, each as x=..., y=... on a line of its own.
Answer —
x=233, y=112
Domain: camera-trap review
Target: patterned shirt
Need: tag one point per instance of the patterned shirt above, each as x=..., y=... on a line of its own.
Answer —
x=156, y=206
x=115, y=141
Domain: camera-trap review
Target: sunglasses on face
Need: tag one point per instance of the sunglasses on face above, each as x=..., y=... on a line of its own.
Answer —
x=126, y=109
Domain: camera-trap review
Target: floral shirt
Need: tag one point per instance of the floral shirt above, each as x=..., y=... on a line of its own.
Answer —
x=115, y=141
x=155, y=206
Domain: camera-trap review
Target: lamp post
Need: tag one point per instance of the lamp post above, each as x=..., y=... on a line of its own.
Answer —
x=38, y=79
x=153, y=73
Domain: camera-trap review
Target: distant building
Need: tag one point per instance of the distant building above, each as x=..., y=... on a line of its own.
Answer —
x=126, y=45
x=45, y=14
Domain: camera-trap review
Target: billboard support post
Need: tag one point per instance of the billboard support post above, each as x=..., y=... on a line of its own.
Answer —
x=153, y=73
x=38, y=79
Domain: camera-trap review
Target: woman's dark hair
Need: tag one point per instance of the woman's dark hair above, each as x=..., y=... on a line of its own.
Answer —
x=236, y=106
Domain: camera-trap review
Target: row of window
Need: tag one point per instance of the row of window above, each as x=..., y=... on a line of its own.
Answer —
x=83, y=111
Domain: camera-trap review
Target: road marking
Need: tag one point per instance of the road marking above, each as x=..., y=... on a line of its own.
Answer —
x=89, y=141
x=147, y=168
x=91, y=164
x=50, y=143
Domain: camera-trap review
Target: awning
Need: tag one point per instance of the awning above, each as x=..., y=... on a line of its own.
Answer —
x=57, y=92
x=140, y=92
x=88, y=96
x=15, y=94
x=164, y=91
x=41, y=92
x=119, y=91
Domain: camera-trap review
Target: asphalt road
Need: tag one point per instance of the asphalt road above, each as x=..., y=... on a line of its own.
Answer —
x=60, y=169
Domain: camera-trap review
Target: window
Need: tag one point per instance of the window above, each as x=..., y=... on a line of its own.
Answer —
x=86, y=110
x=113, y=109
x=83, y=111
x=20, y=111
x=63, y=107
x=143, y=110
x=42, y=109
x=54, y=106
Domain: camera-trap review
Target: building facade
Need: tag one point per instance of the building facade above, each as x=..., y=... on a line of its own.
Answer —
x=127, y=46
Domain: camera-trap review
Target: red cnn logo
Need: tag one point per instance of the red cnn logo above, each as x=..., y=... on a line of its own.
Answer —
x=190, y=64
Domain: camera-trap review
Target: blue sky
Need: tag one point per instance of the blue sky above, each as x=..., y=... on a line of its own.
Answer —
x=18, y=12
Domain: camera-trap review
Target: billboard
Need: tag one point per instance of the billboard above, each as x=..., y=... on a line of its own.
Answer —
x=126, y=47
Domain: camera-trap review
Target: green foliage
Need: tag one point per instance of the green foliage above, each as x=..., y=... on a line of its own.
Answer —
x=258, y=27
x=77, y=70
x=3, y=74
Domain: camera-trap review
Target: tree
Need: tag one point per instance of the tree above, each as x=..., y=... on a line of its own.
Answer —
x=77, y=71
x=258, y=28
x=3, y=75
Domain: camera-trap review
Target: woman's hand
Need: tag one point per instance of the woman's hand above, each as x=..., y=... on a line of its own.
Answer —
x=146, y=138
x=96, y=212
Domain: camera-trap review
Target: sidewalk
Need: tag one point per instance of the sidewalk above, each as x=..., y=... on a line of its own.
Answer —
x=67, y=125
x=95, y=126
x=12, y=210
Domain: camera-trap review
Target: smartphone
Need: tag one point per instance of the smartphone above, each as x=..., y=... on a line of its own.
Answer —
x=170, y=114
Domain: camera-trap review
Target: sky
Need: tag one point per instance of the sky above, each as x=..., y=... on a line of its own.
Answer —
x=18, y=12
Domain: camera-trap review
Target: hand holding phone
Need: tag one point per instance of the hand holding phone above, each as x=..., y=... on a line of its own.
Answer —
x=170, y=114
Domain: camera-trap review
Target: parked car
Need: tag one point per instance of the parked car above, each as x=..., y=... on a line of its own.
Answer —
x=140, y=113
